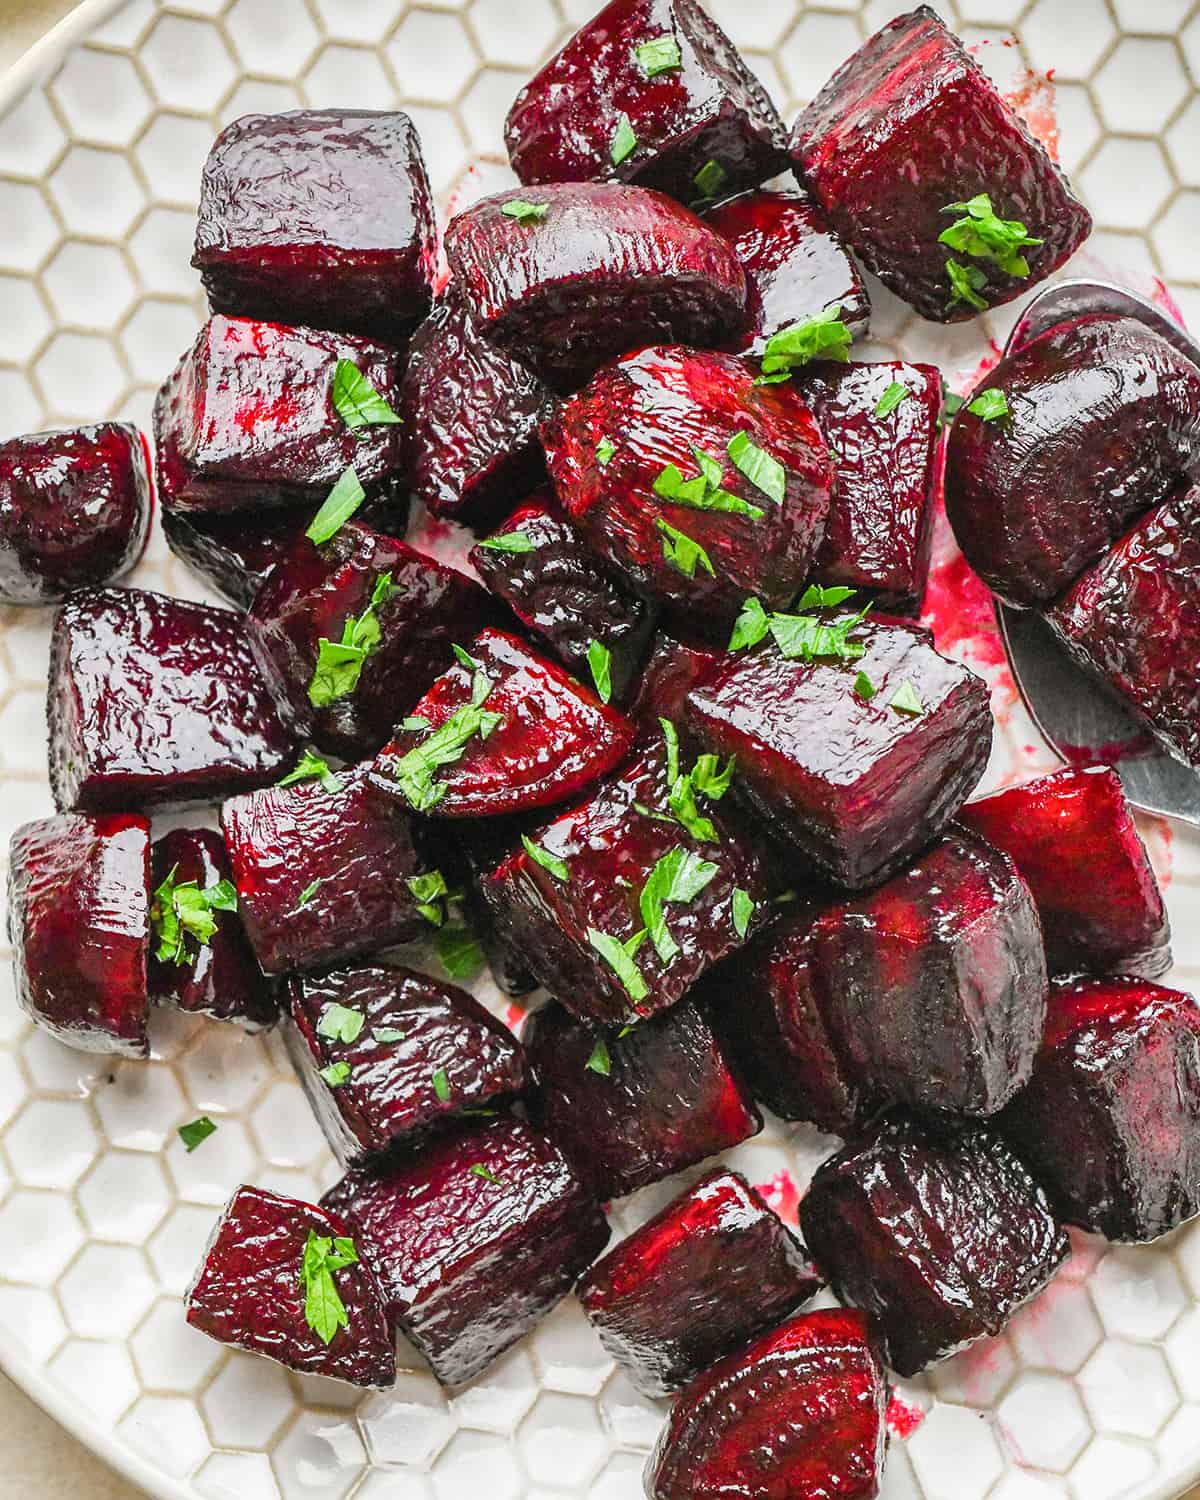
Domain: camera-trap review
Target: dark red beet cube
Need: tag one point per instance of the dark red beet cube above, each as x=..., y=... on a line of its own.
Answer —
x=249, y=1292
x=1110, y=1122
x=799, y=1414
x=322, y=876
x=938, y=1241
x=858, y=785
x=384, y=1052
x=656, y=409
x=605, y=268
x=156, y=703
x=701, y=1279
x=1078, y=820
x=674, y=668
x=78, y=922
x=74, y=510
x=474, y=1239
x=632, y=1109
x=247, y=419
x=909, y=126
x=317, y=593
x=318, y=216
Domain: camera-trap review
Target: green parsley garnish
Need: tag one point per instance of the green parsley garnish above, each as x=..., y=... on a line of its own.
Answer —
x=547, y=860
x=414, y=722
x=891, y=399
x=905, y=699
x=751, y=625
x=508, y=541
x=465, y=659
x=706, y=779
x=710, y=179
x=803, y=637
x=309, y=892
x=386, y=1035
x=619, y=957
x=358, y=403
x=605, y=449
x=822, y=337
x=966, y=283
x=864, y=687
x=441, y=1085
x=600, y=661
x=341, y=1023
x=764, y=472
x=340, y=663
x=703, y=491
x=682, y=552
x=429, y=891
x=743, y=910
x=982, y=235
x=478, y=1169
x=336, y=1074
x=415, y=769
x=197, y=1131
x=624, y=141
x=600, y=1061
x=458, y=952
x=990, y=406
x=659, y=55
x=182, y=911
x=525, y=212
x=324, y=1310
x=312, y=767
x=680, y=876
x=339, y=505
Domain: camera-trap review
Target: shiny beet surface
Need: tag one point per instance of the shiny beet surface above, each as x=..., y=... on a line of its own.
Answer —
x=667, y=1101
x=321, y=217
x=708, y=109
x=608, y=267
x=220, y=978
x=474, y=1239
x=247, y=419
x=673, y=669
x=910, y=124
x=939, y=1242
x=74, y=510
x=78, y=922
x=248, y=1292
x=857, y=785
x=1074, y=842
x=797, y=1415
x=154, y=702
x=1110, y=1122
x=715, y=1268
x=322, y=876
x=1105, y=423
x=555, y=737
x=655, y=407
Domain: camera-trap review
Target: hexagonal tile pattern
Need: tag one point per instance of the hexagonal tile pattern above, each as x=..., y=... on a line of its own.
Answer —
x=1128, y=1388
x=101, y=97
x=1137, y=1294
x=1126, y=103
x=128, y=1291
x=432, y=55
x=1044, y=1422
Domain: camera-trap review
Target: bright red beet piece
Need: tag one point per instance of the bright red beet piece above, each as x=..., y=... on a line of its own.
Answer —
x=385, y=1052
x=74, y=510
x=155, y=703
x=673, y=670
x=907, y=128
x=78, y=922
x=318, y=216
x=249, y=1293
x=938, y=1241
x=655, y=408
x=1110, y=1122
x=606, y=268
x=474, y=1239
x=1111, y=920
x=715, y=1268
x=797, y=1415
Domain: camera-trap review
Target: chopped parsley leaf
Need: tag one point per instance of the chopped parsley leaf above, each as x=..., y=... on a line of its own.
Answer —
x=478, y=1169
x=743, y=910
x=324, y=1310
x=983, y=235
x=429, y=891
x=525, y=212
x=458, y=952
x=990, y=406
x=341, y=1023
x=619, y=957
x=312, y=767
x=441, y=1085
x=679, y=876
x=710, y=179
x=309, y=892
x=414, y=771
x=660, y=54
x=824, y=336
x=764, y=472
x=966, y=283
x=905, y=699
x=182, y=911
x=682, y=551
x=340, y=663
x=864, y=687
x=386, y=1035
x=605, y=449
x=624, y=141
x=358, y=403
x=891, y=399
x=508, y=541
x=196, y=1132
x=339, y=505
x=600, y=661
x=547, y=860
x=600, y=1061
x=335, y=1074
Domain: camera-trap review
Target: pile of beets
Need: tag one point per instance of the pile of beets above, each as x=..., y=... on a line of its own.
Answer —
x=674, y=749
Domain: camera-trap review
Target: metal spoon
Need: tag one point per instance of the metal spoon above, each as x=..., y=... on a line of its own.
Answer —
x=1078, y=717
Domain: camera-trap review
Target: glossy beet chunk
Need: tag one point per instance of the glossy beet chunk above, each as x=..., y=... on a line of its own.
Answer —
x=938, y=1241
x=654, y=409
x=1074, y=842
x=78, y=922
x=632, y=1109
x=249, y=1292
x=673, y=669
x=909, y=126
x=604, y=269
x=799, y=1414
x=858, y=785
x=74, y=510
x=1110, y=1122
x=321, y=217
x=474, y=1239
x=715, y=1268
x=155, y=703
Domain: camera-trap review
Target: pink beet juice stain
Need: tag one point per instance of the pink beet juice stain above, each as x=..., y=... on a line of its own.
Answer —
x=781, y=1195
x=902, y=1417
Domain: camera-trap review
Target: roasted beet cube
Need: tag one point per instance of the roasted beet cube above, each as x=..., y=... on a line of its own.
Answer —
x=897, y=144
x=938, y=1241
x=799, y=1413
x=652, y=462
x=1110, y=1122
x=795, y=265
x=406, y=611
x=264, y=1286
x=605, y=268
x=859, y=763
x=632, y=1108
x=1074, y=842
x=74, y=510
x=474, y=1239
x=1104, y=423
x=674, y=668
x=318, y=216
x=701, y=1279
x=386, y=1052
x=247, y=418
x=212, y=973
x=156, y=703
x=322, y=876
x=78, y=922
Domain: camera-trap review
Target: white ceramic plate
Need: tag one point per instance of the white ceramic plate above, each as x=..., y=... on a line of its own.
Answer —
x=1094, y=1391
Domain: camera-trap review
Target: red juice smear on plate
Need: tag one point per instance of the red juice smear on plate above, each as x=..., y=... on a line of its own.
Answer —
x=902, y=1417
x=780, y=1195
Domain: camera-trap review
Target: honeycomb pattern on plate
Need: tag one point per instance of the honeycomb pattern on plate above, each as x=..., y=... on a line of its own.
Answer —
x=1094, y=1391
